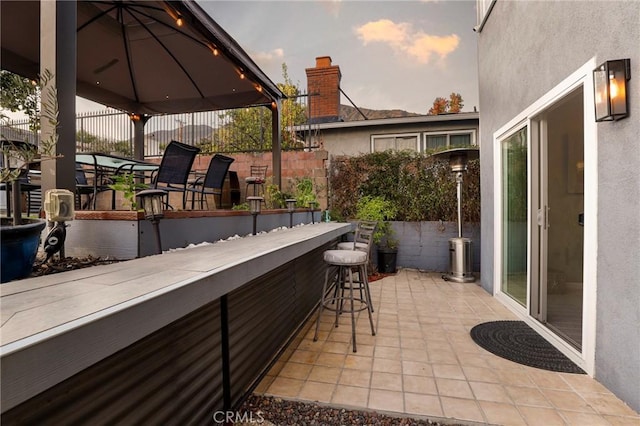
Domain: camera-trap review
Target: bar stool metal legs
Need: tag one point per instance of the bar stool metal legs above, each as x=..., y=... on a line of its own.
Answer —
x=342, y=277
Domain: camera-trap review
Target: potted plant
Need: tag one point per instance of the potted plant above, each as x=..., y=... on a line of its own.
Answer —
x=20, y=236
x=381, y=210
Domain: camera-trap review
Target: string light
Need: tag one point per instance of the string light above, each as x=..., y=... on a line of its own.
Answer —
x=179, y=21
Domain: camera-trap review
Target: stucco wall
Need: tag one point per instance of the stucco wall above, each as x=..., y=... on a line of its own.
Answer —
x=525, y=49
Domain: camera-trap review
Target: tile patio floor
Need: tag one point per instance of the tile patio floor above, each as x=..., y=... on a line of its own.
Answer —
x=423, y=363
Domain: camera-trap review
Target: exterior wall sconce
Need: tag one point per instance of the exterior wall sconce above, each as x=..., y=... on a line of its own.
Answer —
x=255, y=204
x=291, y=206
x=610, y=89
x=151, y=201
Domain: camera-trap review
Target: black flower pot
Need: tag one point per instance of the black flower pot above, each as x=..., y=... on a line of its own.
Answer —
x=387, y=260
x=19, y=245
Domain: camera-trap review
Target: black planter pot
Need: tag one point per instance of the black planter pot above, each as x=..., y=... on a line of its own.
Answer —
x=387, y=260
x=18, y=247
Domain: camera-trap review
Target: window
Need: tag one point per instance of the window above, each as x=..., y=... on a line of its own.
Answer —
x=436, y=140
x=402, y=142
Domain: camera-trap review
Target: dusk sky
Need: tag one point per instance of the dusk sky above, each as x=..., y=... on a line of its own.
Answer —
x=392, y=54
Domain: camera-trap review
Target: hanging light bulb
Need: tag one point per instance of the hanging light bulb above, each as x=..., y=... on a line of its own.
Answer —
x=179, y=21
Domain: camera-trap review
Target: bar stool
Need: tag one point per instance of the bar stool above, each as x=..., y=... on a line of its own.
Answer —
x=340, y=265
x=363, y=240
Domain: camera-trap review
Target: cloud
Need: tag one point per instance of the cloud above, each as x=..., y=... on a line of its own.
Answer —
x=268, y=57
x=405, y=40
x=333, y=7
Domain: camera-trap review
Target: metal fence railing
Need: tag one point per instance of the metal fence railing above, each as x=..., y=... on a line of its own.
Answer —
x=235, y=130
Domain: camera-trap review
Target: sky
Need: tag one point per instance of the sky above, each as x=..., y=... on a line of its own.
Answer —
x=392, y=54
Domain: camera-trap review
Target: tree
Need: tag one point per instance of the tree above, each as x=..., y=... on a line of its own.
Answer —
x=446, y=106
x=248, y=129
x=20, y=94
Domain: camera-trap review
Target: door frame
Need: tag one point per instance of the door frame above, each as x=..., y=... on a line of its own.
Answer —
x=581, y=77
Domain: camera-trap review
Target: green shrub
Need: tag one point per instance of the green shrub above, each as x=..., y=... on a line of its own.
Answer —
x=418, y=186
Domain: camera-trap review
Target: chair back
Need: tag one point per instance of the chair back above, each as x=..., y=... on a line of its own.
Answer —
x=176, y=164
x=217, y=171
x=259, y=172
x=364, y=235
x=81, y=177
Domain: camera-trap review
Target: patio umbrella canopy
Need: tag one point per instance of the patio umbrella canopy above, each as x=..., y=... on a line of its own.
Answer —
x=147, y=57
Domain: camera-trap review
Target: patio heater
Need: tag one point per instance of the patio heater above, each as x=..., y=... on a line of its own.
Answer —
x=151, y=200
x=255, y=204
x=291, y=206
x=460, y=253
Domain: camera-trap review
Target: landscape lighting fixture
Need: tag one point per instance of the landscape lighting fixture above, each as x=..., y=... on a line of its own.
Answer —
x=255, y=204
x=610, y=89
x=151, y=202
x=291, y=206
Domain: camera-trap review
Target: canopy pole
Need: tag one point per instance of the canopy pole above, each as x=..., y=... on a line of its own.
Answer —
x=276, y=142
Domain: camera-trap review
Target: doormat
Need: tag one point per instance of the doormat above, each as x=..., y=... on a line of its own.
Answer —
x=517, y=342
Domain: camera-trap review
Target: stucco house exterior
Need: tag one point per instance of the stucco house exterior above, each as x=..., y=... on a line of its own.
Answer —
x=560, y=191
x=340, y=137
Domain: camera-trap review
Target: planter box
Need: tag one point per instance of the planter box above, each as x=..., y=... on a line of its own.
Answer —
x=127, y=235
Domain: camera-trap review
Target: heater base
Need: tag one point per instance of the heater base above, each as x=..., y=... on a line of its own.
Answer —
x=460, y=261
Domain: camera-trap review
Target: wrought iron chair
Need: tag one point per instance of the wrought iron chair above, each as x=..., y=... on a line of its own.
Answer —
x=212, y=182
x=173, y=173
x=257, y=178
x=84, y=186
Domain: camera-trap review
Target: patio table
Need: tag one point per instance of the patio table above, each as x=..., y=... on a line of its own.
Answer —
x=106, y=166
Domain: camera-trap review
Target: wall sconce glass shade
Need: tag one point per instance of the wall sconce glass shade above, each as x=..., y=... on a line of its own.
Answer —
x=151, y=201
x=610, y=89
x=291, y=204
x=255, y=204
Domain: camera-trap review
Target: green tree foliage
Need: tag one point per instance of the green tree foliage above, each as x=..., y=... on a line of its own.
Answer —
x=419, y=187
x=249, y=129
x=446, y=106
x=20, y=94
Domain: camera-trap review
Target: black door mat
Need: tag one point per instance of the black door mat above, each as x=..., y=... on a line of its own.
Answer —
x=517, y=342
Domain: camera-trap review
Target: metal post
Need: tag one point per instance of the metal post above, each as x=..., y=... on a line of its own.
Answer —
x=290, y=219
x=156, y=228
x=255, y=217
x=459, y=192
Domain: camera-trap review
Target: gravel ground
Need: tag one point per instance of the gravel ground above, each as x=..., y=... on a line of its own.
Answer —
x=277, y=411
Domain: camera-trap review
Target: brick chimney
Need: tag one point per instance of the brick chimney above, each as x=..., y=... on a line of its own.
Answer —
x=323, y=86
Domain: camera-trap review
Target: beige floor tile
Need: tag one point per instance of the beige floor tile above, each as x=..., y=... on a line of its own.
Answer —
x=393, y=341
x=411, y=333
x=515, y=377
x=337, y=336
x=454, y=388
x=580, y=419
x=305, y=357
x=415, y=355
x=441, y=355
x=285, y=387
x=480, y=374
x=330, y=360
x=415, y=368
x=295, y=370
x=387, y=352
x=358, y=362
x=350, y=396
x=541, y=416
x=622, y=420
x=309, y=345
x=490, y=392
x=462, y=409
x=387, y=331
x=609, y=404
x=548, y=379
x=412, y=343
x=388, y=381
x=448, y=371
x=584, y=384
x=264, y=384
x=527, y=396
x=324, y=374
x=386, y=400
x=419, y=384
x=387, y=365
x=501, y=414
x=355, y=378
x=567, y=400
x=315, y=391
x=336, y=347
x=363, y=350
x=426, y=405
